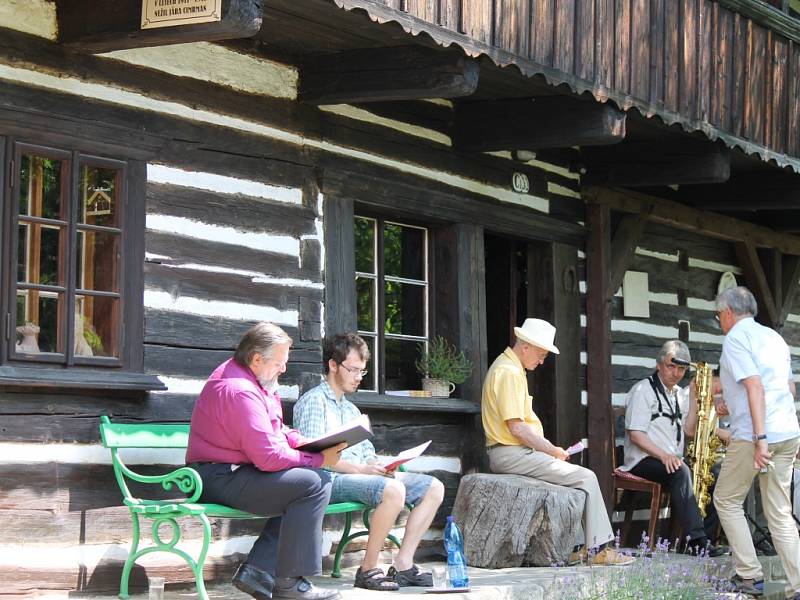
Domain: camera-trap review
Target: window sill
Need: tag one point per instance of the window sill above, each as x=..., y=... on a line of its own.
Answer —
x=403, y=403
x=86, y=379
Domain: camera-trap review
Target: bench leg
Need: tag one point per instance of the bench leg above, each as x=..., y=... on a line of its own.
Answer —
x=132, y=555
x=337, y=559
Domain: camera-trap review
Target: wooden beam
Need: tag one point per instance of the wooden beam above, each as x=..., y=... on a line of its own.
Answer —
x=598, y=352
x=629, y=232
x=92, y=26
x=774, y=190
x=680, y=216
x=534, y=123
x=383, y=74
x=632, y=165
x=791, y=282
x=757, y=281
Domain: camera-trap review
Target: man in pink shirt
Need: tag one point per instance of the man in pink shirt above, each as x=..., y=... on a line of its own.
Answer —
x=247, y=459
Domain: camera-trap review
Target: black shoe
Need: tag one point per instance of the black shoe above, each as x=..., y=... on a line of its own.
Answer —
x=300, y=588
x=259, y=584
x=752, y=587
x=411, y=577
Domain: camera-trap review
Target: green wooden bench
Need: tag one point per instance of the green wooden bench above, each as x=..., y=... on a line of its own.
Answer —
x=116, y=436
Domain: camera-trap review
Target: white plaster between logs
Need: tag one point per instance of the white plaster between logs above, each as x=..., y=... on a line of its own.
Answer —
x=161, y=300
x=555, y=188
x=254, y=276
x=122, y=97
x=359, y=114
x=37, y=17
x=220, y=65
x=223, y=184
x=279, y=244
x=193, y=387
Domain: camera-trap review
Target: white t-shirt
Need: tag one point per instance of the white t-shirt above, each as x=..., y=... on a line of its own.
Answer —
x=641, y=404
x=752, y=349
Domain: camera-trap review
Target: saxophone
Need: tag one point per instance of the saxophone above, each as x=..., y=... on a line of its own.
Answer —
x=702, y=453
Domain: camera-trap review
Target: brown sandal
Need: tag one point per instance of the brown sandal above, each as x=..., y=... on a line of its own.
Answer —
x=374, y=579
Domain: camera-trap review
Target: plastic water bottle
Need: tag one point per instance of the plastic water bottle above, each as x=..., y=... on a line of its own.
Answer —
x=456, y=563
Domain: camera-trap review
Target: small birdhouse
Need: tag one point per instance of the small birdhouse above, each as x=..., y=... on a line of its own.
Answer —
x=99, y=203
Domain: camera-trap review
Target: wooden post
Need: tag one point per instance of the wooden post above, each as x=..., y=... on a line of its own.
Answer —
x=556, y=390
x=340, y=265
x=598, y=347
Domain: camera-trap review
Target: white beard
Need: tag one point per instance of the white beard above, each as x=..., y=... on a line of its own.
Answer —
x=269, y=384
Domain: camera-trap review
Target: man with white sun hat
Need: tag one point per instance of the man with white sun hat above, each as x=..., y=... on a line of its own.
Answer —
x=516, y=443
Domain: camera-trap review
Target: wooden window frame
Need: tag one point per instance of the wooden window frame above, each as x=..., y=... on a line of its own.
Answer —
x=64, y=370
x=380, y=335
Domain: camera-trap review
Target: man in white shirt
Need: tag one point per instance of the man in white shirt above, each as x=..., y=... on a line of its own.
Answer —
x=659, y=415
x=759, y=392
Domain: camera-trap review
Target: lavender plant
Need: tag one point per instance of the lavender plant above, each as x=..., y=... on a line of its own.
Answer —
x=658, y=575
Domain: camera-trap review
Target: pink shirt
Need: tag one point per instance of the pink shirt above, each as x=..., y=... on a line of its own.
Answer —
x=237, y=421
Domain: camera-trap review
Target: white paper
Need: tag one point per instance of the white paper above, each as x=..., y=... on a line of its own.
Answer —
x=407, y=455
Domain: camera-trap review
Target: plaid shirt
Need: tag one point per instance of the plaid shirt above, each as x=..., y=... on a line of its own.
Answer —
x=318, y=411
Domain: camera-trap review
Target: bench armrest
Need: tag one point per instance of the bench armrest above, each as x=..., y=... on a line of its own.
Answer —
x=186, y=479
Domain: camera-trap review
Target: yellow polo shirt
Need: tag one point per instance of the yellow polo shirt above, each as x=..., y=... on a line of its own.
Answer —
x=505, y=396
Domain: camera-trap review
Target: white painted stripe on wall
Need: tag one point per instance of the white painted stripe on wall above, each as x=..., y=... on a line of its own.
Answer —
x=617, y=399
x=161, y=300
x=555, y=188
x=711, y=265
x=662, y=331
x=193, y=386
x=254, y=276
x=359, y=114
x=223, y=184
x=137, y=100
x=37, y=17
x=625, y=360
x=657, y=255
x=426, y=464
x=701, y=304
x=221, y=66
x=266, y=242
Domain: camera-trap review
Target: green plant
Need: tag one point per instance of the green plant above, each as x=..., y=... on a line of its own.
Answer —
x=443, y=361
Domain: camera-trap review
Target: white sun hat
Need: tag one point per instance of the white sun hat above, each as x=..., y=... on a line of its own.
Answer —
x=537, y=332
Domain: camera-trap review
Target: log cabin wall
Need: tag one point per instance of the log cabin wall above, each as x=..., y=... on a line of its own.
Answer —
x=724, y=67
x=237, y=191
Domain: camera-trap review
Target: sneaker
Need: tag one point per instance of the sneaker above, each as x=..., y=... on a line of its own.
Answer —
x=609, y=557
x=747, y=586
x=578, y=557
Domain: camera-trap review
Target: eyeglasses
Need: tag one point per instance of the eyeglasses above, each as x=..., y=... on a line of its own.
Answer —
x=353, y=370
x=672, y=365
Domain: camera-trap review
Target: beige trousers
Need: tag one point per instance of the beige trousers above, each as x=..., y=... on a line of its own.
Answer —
x=521, y=460
x=735, y=479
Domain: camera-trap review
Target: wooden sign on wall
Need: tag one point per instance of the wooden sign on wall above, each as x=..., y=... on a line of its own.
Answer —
x=169, y=13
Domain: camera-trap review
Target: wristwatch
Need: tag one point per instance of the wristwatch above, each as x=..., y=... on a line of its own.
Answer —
x=758, y=438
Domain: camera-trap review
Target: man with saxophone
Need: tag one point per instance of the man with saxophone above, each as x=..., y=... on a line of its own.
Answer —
x=759, y=393
x=659, y=415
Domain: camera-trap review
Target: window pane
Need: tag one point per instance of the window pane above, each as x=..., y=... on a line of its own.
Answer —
x=405, y=308
x=96, y=320
x=99, y=202
x=38, y=330
x=97, y=261
x=400, y=371
x=403, y=251
x=365, y=291
x=38, y=252
x=40, y=187
x=22, y=252
x=369, y=383
x=365, y=245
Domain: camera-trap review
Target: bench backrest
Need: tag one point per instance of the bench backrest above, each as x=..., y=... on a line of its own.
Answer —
x=117, y=436
x=143, y=435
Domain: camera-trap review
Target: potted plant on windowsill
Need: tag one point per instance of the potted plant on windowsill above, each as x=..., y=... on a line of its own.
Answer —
x=442, y=367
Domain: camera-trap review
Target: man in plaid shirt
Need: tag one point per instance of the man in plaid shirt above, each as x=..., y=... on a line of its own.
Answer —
x=358, y=477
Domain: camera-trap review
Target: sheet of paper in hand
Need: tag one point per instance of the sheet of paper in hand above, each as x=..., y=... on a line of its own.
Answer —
x=578, y=446
x=352, y=432
x=406, y=455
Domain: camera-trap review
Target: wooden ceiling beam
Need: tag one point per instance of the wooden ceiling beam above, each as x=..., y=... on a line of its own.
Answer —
x=387, y=74
x=680, y=216
x=536, y=123
x=767, y=191
x=757, y=281
x=639, y=165
x=92, y=26
x=623, y=247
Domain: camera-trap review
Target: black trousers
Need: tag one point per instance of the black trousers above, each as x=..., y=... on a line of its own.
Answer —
x=683, y=503
x=290, y=545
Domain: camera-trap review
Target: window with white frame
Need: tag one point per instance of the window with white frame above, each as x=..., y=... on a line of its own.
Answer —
x=392, y=290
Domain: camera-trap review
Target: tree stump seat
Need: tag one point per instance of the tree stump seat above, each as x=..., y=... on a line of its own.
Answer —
x=516, y=521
